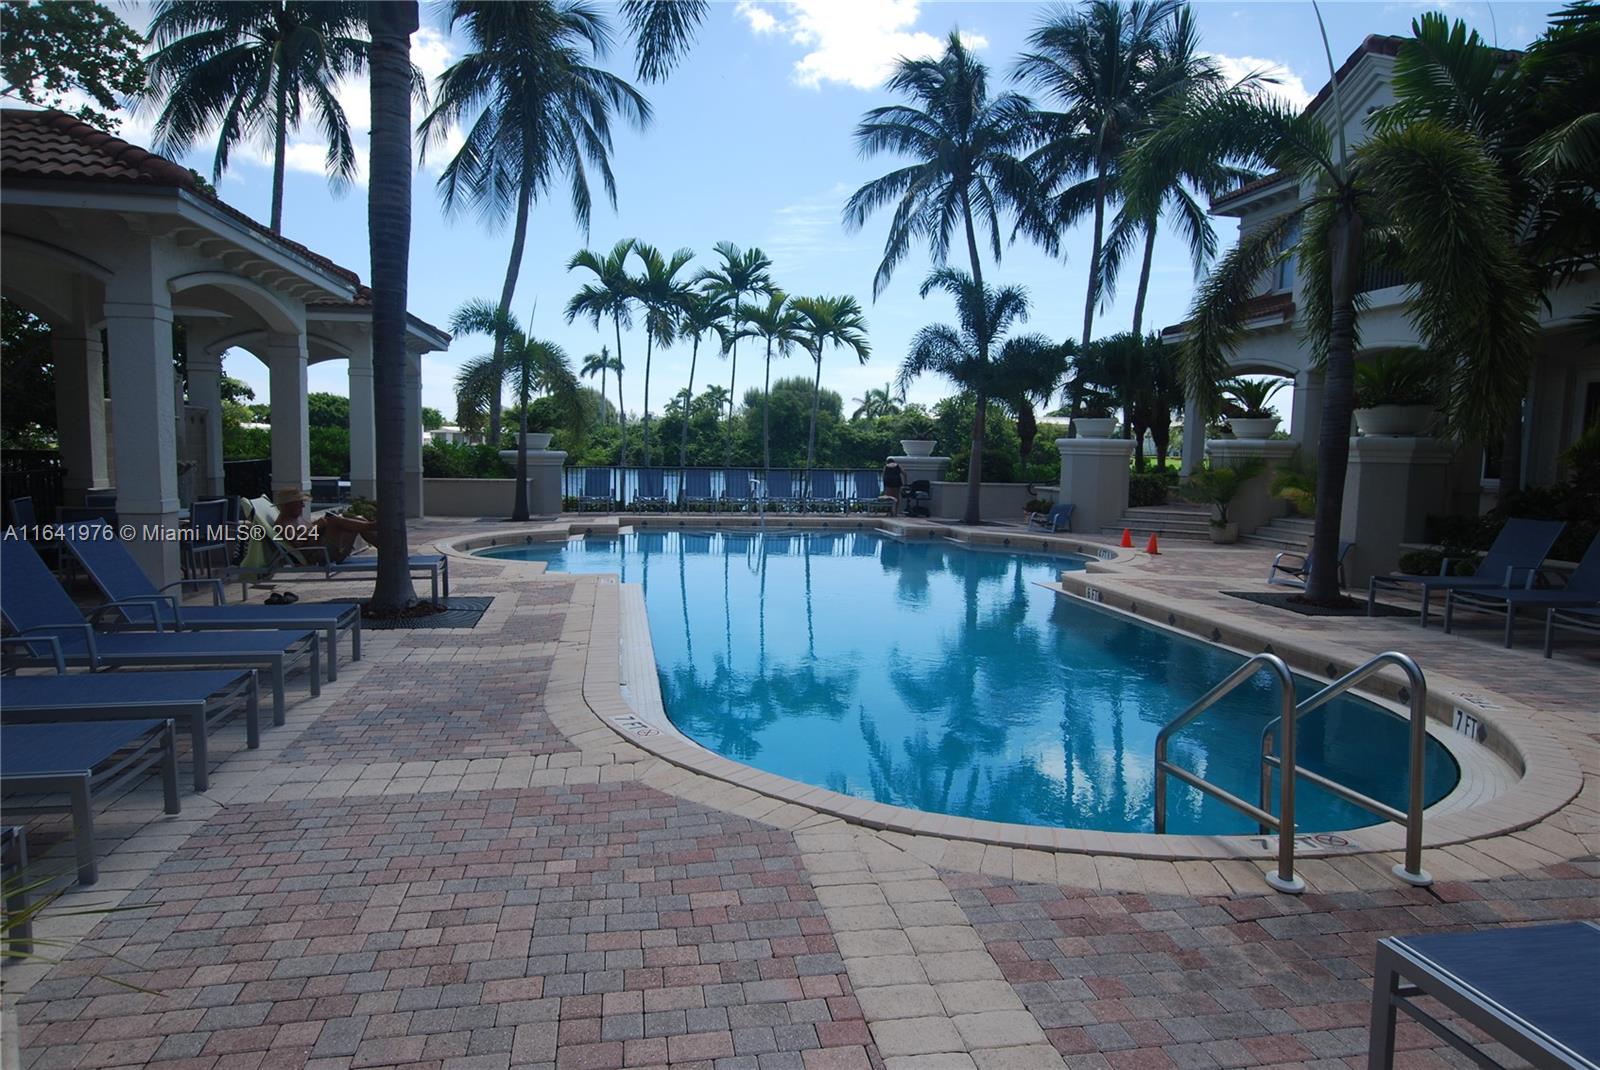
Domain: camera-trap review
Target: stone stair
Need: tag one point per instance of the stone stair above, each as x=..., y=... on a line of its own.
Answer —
x=1284, y=533
x=1176, y=521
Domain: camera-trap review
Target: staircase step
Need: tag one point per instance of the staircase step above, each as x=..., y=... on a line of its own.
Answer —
x=1293, y=523
x=1142, y=534
x=1272, y=542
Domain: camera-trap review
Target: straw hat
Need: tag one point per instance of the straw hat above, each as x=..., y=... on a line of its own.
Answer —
x=289, y=495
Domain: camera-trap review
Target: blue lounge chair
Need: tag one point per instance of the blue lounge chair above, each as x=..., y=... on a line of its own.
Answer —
x=82, y=761
x=35, y=607
x=1581, y=592
x=1519, y=549
x=737, y=488
x=1297, y=566
x=1572, y=620
x=198, y=701
x=823, y=493
x=780, y=490
x=697, y=489
x=267, y=555
x=869, y=496
x=113, y=569
x=1059, y=518
x=597, y=494
x=650, y=493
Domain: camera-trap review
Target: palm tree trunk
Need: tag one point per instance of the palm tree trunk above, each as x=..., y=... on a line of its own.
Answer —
x=519, y=508
x=683, y=446
x=975, y=461
x=1144, y=277
x=649, y=344
x=733, y=376
x=766, y=410
x=1095, y=247
x=602, y=392
x=622, y=416
x=508, y=290
x=280, y=149
x=1338, y=403
x=816, y=403
x=389, y=239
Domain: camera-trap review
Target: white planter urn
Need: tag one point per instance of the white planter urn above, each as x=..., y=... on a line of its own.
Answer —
x=1408, y=420
x=917, y=447
x=1223, y=534
x=1095, y=426
x=1253, y=427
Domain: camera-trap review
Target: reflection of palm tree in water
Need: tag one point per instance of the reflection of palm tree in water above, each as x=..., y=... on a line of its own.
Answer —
x=730, y=710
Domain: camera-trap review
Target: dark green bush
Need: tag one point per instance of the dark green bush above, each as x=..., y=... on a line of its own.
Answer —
x=451, y=460
x=1149, y=488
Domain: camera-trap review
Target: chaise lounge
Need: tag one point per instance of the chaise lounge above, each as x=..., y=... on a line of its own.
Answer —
x=267, y=555
x=1520, y=548
x=1581, y=592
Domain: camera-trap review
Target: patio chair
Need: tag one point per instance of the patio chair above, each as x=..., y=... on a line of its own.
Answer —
x=823, y=492
x=869, y=496
x=737, y=487
x=1059, y=518
x=211, y=536
x=1295, y=567
x=267, y=555
x=34, y=605
x=199, y=702
x=780, y=490
x=1531, y=989
x=25, y=522
x=1582, y=591
x=113, y=569
x=697, y=489
x=650, y=493
x=1573, y=620
x=1521, y=547
x=83, y=761
x=597, y=496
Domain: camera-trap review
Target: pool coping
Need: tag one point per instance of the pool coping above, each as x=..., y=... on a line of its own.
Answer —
x=1516, y=740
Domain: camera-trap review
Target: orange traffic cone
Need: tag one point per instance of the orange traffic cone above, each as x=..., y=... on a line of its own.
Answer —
x=1127, y=537
x=1150, y=547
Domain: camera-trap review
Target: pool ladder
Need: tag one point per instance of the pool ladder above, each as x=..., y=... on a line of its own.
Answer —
x=1284, y=879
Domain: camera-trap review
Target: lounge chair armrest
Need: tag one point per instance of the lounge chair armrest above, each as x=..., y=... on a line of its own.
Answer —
x=149, y=603
x=217, y=597
x=1527, y=584
x=88, y=636
x=27, y=643
x=1444, y=565
x=1277, y=562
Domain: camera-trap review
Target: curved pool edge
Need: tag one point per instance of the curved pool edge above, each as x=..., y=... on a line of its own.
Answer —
x=1525, y=802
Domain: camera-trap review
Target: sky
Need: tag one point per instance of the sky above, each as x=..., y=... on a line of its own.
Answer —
x=751, y=142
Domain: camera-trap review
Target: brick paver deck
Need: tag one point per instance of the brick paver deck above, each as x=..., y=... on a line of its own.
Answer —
x=450, y=861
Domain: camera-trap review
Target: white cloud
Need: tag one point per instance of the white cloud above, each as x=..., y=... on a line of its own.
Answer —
x=1285, y=83
x=850, y=42
x=808, y=228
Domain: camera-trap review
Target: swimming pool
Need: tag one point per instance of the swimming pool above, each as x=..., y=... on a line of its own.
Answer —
x=936, y=676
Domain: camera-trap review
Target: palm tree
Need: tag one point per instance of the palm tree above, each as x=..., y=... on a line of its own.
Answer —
x=531, y=367
x=539, y=106
x=660, y=294
x=744, y=273
x=609, y=296
x=779, y=324
x=965, y=355
x=253, y=70
x=389, y=241
x=829, y=319
x=598, y=364
x=878, y=402
x=1097, y=62
x=701, y=314
x=966, y=171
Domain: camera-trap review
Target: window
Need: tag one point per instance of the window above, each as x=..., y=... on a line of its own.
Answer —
x=1284, y=279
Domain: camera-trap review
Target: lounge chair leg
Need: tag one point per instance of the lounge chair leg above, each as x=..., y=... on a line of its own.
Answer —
x=169, y=769
x=1549, y=632
x=277, y=690
x=1511, y=622
x=1426, y=596
x=198, y=750
x=83, y=832
x=252, y=713
x=333, y=653
x=355, y=638
x=1449, y=611
x=316, y=664
x=1380, y=1042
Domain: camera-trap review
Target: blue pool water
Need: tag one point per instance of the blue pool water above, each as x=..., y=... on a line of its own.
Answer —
x=930, y=675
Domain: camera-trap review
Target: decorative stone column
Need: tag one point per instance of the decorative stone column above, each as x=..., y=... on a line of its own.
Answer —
x=80, y=410
x=139, y=333
x=413, y=458
x=1306, y=419
x=1392, y=485
x=363, y=432
x=1094, y=479
x=291, y=422
x=544, y=481
x=205, y=392
x=1254, y=505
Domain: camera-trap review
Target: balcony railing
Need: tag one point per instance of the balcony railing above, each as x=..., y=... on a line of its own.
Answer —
x=1381, y=278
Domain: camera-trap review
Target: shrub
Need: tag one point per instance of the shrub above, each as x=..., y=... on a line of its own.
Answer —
x=1149, y=488
x=451, y=460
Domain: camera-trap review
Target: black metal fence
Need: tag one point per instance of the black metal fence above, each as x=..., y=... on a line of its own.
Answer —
x=247, y=479
x=702, y=489
x=32, y=474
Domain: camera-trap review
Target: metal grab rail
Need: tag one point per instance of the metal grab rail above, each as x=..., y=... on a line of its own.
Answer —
x=1410, y=870
x=1284, y=880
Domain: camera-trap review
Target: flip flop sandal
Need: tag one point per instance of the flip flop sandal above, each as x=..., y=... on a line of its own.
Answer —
x=275, y=598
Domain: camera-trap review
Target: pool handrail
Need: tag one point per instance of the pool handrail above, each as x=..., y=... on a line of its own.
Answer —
x=1284, y=880
x=1410, y=870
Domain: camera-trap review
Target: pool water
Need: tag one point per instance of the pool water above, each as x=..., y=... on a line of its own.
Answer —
x=941, y=677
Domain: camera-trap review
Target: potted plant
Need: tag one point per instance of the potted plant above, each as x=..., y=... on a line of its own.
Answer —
x=916, y=430
x=1095, y=417
x=1397, y=392
x=1259, y=420
x=1217, y=487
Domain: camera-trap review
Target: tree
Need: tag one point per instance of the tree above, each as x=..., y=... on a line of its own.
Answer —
x=661, y=294
x=965, y=355
x=432, y=419
x=389, y=238
x=233, y=389
x=50, y=50
x=540, y=107
x=825, y=320
x=744, y=273
x=327, y=410
x=609, y=296
x=252, y=69
x=1142, y=371
x=1096, y=61
x=702, y=314
x=599, y=364
x=778, y=324
x=877, y=403
x=530, y=366
x=966, y=171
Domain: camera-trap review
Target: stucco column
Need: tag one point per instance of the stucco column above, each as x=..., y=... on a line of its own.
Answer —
x=1094, y=479
x=1194, y=438
x=139, y=333
x=413, y=459
x=363, y=435
x=1393, y=484
x=544, y=481
x=205, y=392
x=291, y=422
x=1254, y=505
x=80, y=409
x=1306, y=420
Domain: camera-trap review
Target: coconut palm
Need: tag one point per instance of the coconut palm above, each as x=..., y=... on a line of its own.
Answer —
x=1026, y=380
x=701, y=314
x=599, y=364
x=965, y=354
x=1096, y=62
x=660, y=294
x=536, y=106
x=878, y=402
x=662, y=30
x=530, y=366
x=744, y=273
x=389, y=241
x=611, y=297
x=779, y=325
x=254, y=71
x=965, y=171
x=825, y=320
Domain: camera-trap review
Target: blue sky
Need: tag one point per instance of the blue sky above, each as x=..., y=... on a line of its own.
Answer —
x=751, y=142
